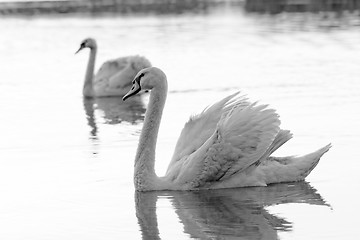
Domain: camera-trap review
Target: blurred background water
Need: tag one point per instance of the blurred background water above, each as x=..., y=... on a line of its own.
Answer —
x=66, y=163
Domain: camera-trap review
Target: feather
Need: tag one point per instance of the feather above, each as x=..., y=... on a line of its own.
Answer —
x=201, y=126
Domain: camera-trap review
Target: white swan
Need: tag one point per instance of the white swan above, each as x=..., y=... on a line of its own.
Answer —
x=227, y=145
x=114, y=76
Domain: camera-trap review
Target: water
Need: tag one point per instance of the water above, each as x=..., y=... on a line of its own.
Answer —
x=66, y=164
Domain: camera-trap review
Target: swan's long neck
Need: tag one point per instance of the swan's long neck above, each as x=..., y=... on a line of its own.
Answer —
x=144, y=175
x=88, y=90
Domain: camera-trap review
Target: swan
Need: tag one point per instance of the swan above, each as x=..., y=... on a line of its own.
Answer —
x=114, y=76
x=228, y=145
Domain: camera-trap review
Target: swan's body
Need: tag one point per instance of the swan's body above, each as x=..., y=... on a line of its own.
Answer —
x=228, y=145
x=114, y=76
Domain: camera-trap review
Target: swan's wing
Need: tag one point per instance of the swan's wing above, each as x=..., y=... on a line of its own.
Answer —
x=241, y=138
x=116, y=75
x=111, y=67
x=105, y=82
x=200, y=127
x=252, y=131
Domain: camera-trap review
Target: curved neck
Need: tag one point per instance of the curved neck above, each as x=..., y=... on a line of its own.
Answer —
x=144, y=175
x=88, y=90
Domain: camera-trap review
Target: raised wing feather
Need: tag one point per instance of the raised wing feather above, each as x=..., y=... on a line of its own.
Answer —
x=241, y=138
x=250, y=131
x=200, y=127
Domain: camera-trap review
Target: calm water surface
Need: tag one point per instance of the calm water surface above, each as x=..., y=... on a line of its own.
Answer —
x=66, y=163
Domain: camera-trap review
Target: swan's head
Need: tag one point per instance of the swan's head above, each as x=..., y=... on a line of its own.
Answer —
x=87, y=43
x=145, y=80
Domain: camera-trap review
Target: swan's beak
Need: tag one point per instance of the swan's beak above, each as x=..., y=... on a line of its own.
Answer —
x=133, y=91
x=81, y=48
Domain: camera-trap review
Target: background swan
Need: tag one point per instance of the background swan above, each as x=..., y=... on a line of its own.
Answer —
x=114, y=76
x=227, y=145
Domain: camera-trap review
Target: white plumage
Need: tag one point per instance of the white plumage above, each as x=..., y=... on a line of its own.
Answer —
x=113, y=77
x=227, y=145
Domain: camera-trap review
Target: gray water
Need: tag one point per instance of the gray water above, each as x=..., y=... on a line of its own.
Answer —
x=66, y=163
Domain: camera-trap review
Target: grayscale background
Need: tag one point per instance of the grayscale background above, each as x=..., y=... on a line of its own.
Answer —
x=66, y=163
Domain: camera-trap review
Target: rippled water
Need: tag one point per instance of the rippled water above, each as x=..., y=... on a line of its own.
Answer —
x=66, y=163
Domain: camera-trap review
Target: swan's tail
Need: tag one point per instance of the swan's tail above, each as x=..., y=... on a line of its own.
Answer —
x=290, y=169
x=311, y=160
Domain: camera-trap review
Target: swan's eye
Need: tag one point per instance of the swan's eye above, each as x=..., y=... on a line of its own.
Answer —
x=137, y=79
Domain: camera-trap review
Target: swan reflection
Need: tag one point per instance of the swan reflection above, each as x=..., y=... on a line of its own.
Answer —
x=226, y=213
x=112, y=110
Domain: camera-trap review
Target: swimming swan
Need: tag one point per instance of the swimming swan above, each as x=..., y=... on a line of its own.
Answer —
x=227, y=145
x=114, y=76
